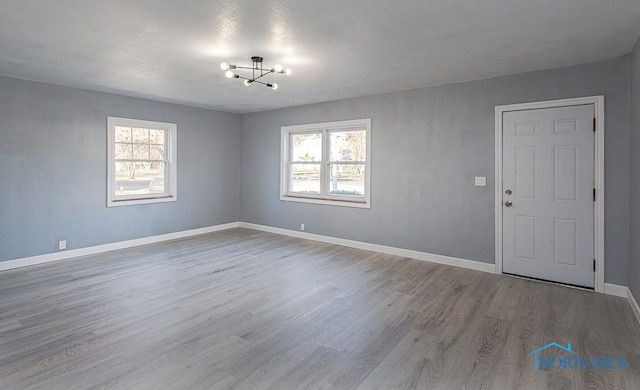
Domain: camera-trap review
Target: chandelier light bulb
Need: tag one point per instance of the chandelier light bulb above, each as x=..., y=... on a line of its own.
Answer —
x=288, y=71
x=274, y=86
x=229, y=74
x=247, y=82
x=278, y=68
x=224, y=66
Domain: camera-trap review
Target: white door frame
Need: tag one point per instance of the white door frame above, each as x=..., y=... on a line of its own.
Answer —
x=598, y=102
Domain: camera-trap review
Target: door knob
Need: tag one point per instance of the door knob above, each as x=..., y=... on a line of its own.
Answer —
x=508, y=203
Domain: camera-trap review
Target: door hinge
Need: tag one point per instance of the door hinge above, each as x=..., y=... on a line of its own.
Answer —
x=594, y=194
x=594, y=265
x=594, y=125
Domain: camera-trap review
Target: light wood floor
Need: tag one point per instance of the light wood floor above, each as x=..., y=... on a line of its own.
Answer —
x=242, y=309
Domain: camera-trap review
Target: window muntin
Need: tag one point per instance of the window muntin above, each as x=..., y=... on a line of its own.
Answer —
x=141, y=161
x=327, y=163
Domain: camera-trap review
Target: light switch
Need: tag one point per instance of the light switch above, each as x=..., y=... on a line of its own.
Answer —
x=481, y=181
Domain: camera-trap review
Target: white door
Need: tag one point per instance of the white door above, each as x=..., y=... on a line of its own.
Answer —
x=547, y=192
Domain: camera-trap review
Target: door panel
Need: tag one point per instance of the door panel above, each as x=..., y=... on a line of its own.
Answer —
x=525, y=172
x=525, y=237
x=565, y=240
x=548, y=164
x=565, y=161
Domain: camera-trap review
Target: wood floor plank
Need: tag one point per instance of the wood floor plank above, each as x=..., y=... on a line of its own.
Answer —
x=241, y=309
x=8, y=325
x=404, y=366
x=310, y=372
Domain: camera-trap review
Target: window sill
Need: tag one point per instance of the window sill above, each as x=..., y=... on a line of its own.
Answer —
x=362, y=204
x=131, y=202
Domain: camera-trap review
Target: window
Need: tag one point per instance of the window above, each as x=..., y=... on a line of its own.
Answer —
x=142, y=162
x=327, y=163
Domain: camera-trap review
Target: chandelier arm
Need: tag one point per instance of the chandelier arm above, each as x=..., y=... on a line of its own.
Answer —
x=264, y=70
x=251, y=80
x=262, y=75
x=259, y=82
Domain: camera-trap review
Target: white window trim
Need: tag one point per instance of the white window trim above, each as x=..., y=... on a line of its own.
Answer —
x=172, y=166
x=324, y=127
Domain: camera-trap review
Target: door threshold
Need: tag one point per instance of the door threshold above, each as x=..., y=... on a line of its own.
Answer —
x=551, y=282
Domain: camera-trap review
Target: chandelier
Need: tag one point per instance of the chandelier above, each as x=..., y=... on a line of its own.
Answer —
x=257, y=72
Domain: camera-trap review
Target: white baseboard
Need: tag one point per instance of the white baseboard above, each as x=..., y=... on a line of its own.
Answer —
x=609, y=289
x=92, y=250
x=634, y=303
x=624, y=292
x=439, y=259
x=616, y=290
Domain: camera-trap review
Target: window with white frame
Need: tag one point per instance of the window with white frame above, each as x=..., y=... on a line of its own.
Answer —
x=141, y=161
x=327, y=163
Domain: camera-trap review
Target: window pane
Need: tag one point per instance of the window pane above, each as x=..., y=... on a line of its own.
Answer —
x=139, y=178
x=141, y=136
x=141, y=151
x=346, y=179
x=156, y=185
x=157, y=152
x=306, y=147
x=156, y=136
x=123, y=134
x=305, y=178
x=124, y=151
x=348, y=145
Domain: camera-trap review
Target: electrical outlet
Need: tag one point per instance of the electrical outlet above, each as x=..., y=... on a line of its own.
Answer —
x=62, y=244
x=302, y=226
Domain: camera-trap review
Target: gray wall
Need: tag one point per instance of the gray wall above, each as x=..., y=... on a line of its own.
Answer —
x=53, y=169
x=427, y=146
x=634, y=255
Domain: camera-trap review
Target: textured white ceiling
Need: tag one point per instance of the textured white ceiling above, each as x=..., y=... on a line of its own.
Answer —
x=171, y=51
